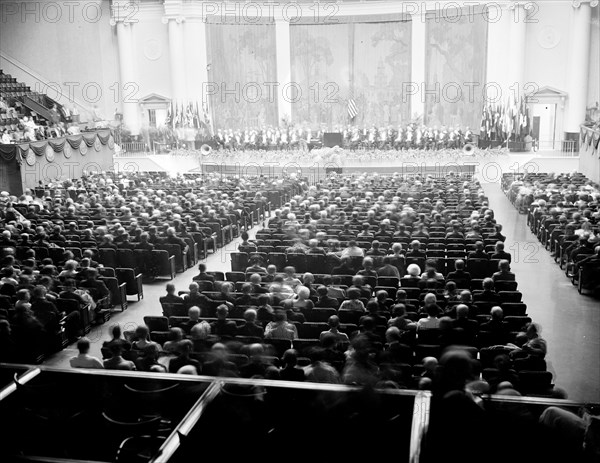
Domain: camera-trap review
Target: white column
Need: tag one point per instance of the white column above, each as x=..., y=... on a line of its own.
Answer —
x=517, y=41
x=196, y=59
x=578, y=66
x=177, y=60
x=131, y=114
x=284, y=69
x=497, y=70
x=416, y=87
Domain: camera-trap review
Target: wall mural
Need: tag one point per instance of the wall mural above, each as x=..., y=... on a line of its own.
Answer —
x=455, y=57
x=243, y=64
x=320, y=60
x=366, y=61
x=382, y=67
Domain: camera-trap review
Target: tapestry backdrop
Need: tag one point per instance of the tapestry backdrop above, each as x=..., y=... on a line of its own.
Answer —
x=382, y=54
x=331, y=63
x=456, y=57
x=320, y=57
x=243, y=64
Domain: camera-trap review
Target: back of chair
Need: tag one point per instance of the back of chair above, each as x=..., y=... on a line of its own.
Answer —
x=155, y=323
x=108, y=257
x=164, y=263
x=239, y=261
x=126, y=258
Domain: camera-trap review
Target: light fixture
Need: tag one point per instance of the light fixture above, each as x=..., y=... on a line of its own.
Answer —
x=594, y=3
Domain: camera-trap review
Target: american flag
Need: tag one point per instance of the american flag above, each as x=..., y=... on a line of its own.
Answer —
x=352, y=108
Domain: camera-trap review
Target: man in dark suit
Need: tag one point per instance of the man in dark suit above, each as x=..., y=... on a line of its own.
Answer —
x=255, y=280
x=344, y=269
x=488, y=294
x=415, y=250
x=459, y=276
x=172, y=238
x=203, y=276
x=499, y=252
x=144, y=243
x=465, y=329
x=479, y=252
x=324, y=300
x=218, y=365
x=499, y=333
x=251, y=328
x=503, y=273
x=184, y=348
x=96, y=288
x=171, y=297
x=395, y=351
x=223, y=327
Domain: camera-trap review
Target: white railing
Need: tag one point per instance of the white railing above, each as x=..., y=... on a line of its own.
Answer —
x=567, y=148
x=134, y=149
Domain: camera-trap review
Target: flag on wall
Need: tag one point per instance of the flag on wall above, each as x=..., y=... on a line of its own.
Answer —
x=352, y=108
x=169, y=118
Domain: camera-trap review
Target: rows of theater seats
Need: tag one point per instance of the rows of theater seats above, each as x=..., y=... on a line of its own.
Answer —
x=565, y=222
x=532, y=376
x=10, y=88
x=445, y=253
x=123, y=270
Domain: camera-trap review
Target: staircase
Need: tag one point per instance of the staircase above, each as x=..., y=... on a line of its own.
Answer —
x=33, y=105
x=17, y=92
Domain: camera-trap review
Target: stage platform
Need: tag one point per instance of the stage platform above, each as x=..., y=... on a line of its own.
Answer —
x=487, y=169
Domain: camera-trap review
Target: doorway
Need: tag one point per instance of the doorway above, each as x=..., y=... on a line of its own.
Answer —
x=544, y=125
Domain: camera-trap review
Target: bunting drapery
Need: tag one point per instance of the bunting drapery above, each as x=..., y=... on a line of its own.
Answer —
x=38, y=147
x=74, y=141
x=89, y=138
x=58, y=145
x=64, y=145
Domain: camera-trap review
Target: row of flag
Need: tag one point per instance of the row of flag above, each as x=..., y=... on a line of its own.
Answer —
x=505, y=121
x=188, y=115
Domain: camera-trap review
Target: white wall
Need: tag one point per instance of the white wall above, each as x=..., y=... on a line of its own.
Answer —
x=62, y=44
x=78, y=48
x=547, y=66
x=151, y=49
